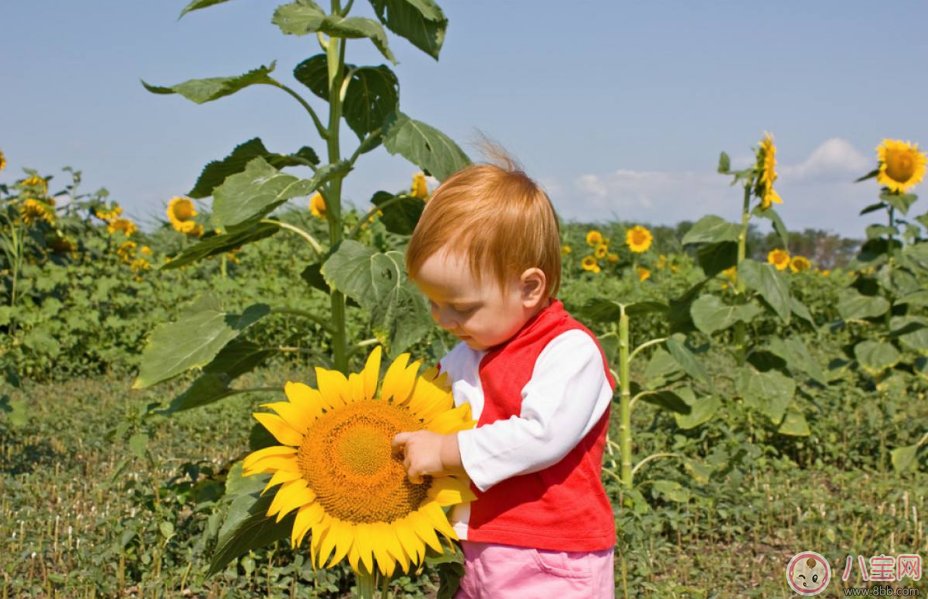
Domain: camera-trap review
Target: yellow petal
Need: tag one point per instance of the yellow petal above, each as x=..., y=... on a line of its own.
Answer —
x=379, y=540
x=320, y=529
x=305, y=518
x=386, y=537
x=292, y=414
x=412, y=544
x=438, y=519
x=275, y=450
x=353, y=553
x=371, y=372
x=329, y=541
x=291, y=496
x=447, y=490
x=399, y=380
x=430, y=373
x=304, y=396
x=451, y=421
x=356, y=384
x=334, y=387
x=428, y=399
x=282, y=431
x=285, y=476
x=363, y=539
x=424, y=530
x=273, y=464
x=344, y=537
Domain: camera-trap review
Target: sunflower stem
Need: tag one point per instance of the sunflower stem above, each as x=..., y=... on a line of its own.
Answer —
x=366, y=584
x=385, y=587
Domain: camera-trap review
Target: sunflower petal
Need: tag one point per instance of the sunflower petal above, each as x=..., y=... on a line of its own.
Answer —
x=344, y=537
x=447, y=490
x=304, y=396
x=282, y=431
x=293, y=414
x=284, y=476
x=424, y=530
x=305, y=518
x=396, y=384
x=379, y=539
x=320, y=530
x=356, y=384
x=334, y=387
x=438, y=519
x=329, y=541
x=353, y=553
x=388, y=539
x=371, y=372
x=412, y=544
x=272, y=464
x=365, y=551
x=291, y=496
x=451, y=421
x=276, y=450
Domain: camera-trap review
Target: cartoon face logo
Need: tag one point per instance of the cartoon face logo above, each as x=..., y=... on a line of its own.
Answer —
x=808, y=573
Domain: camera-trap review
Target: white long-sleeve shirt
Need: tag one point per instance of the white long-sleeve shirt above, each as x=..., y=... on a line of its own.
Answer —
x=565, y=397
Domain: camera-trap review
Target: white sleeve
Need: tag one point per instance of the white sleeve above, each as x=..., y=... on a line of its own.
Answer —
x=566, y=396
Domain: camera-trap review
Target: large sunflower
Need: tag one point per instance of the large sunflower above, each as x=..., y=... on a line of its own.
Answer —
x=902, y=166
x=638, y=239
x=336, y=466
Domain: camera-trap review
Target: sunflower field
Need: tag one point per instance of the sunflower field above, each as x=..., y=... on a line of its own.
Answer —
x=204, y=408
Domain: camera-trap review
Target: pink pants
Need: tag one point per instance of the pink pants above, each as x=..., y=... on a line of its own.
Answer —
x=494, y=571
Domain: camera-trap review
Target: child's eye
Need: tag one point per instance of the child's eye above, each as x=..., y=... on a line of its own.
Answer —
x=465, y=310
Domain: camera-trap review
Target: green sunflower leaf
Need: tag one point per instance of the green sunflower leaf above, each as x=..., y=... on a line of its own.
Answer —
x=213, y=88
x=422, y=22
x=770, y=284
x=712, y=229
x=193, y=340
x=423, y=145
x=302, y=17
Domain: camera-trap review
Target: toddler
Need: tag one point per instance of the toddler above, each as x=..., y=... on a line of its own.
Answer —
x=487, y=254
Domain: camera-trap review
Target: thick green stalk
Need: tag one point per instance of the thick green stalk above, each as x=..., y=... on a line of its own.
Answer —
x=335, y=53
x=625, y=410
x=743, y=235
x=366, y=585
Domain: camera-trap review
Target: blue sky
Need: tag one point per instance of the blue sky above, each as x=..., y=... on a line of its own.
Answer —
x=618, y=108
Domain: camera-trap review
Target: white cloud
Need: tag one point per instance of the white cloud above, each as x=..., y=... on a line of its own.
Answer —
x=834, y=159
x=818, y=192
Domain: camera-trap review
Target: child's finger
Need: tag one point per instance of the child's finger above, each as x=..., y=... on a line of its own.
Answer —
x=399, y=441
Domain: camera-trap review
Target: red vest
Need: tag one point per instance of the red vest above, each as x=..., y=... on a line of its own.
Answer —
x=563, y=507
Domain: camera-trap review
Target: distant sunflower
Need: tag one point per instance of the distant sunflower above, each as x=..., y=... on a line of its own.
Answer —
x=902, y=166
x=126, y=251
x=643, y=273
x=121, y=224
x=731, y=273
x=2, y=161
x=108, y=215
x=40, y=184
x=799, y=264
x=638, y=239
x=779, y=258
x=420, y=188
x=613, y=258
x=180, y=210
x=61, y=245
x=601, y=251
x=33, y=211
x=594, y=238
x=139, y=264
x=767, y=174
x=565, y=249
x=338, y=472
x=589, y=263
x=317, y=205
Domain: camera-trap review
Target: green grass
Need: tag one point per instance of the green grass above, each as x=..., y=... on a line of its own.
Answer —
x=81, y=515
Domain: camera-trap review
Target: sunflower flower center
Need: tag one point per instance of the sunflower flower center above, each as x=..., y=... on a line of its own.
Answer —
x=900, y=166
x=346, y=458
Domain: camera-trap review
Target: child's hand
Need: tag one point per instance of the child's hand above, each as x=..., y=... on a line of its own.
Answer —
x=422, y=453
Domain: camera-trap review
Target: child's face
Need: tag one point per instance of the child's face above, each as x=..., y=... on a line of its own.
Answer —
x=481, y=315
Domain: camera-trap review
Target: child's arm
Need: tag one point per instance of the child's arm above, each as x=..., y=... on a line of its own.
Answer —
x=566, y=396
